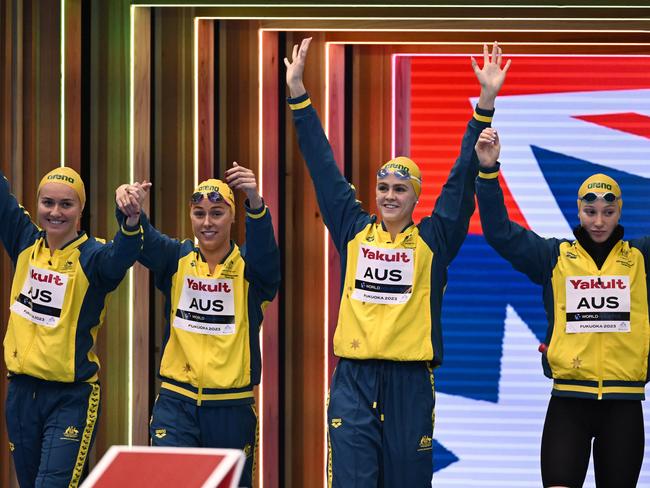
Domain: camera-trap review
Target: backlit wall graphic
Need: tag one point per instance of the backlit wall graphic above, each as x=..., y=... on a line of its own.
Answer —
x=560, y=119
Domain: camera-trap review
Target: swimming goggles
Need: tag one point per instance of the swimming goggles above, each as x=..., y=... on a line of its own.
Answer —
x=590, y=197
x=402, y=174
x=213, y=196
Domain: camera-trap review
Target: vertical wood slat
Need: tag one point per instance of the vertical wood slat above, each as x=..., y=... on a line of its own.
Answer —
x=402, y=121
x=269, y=467
x=10, y=94
x=173, y=132
x=72, y=88
x=305, y=371
x=238, y=128
x=205, y=106
x=141, y=169
x=48, y=89
x=336, y=135
x=371, y=123
x=109, y=156
x=98, y=147
x=30, y=160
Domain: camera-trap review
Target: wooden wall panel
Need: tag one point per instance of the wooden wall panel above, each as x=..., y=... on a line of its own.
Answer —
x=72, y=90
x=402, y=114
x=304, y=249
x=371, y=126
x=41, y=94
x=206, y=96
x=141, y=277
x=109, y=160
x=9, y=94
x=268, y=472
x=238, y=129
x=29, y=134
x=173, y=101
x=336, y=131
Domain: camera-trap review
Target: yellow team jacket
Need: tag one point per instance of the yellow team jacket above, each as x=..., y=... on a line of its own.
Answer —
x=58, y=301
x=211, y=349
x=391, y=291
x=598, y=330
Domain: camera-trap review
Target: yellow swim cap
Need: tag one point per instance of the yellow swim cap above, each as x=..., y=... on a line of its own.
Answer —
x=213, y=185
x=600, y=184
x=66, y=176
x=403, y=168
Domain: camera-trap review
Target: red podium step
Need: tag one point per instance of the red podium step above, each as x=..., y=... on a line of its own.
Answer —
x=167, y=467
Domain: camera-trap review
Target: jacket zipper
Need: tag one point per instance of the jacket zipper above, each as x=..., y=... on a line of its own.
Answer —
x=199, y=399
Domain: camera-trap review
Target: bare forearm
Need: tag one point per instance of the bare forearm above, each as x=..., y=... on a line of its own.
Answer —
x=255, y=201
x=296, y=89
x=486, y=99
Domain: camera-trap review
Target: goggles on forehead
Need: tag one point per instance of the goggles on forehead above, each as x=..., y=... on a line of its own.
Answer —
x=590, y=197
x=213, y=196
x=402, y=174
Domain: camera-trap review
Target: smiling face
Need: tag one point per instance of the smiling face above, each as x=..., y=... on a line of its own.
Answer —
x=59, y=212
x=396, y=200
x=211, y=224
x=599, y=218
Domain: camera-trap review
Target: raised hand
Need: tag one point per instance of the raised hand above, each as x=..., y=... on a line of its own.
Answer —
x=129, y=199
x=488, y=148
x=296, y=67
x=491, y=76
x=241, y=178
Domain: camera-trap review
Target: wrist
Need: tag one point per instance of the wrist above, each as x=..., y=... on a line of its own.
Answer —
x=296, y=89
x=132, y=221
x=255, y=201
x=489, y=170
x=486, y=100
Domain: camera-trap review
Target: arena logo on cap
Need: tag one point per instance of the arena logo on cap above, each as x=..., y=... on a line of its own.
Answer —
x=599, y=185
x=398, y=166
x=69, y=179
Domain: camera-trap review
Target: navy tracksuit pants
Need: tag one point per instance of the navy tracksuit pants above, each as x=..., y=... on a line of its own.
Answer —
x=179, y=423
x=380, y=424
x=51, y=428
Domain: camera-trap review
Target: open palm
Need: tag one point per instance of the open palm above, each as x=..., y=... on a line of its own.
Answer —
x=296, y=67
x=491, y=76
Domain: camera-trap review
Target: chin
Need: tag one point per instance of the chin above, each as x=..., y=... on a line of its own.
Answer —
x=392, y=217
x=211, y=244
x=57, y=231
x=600, y=239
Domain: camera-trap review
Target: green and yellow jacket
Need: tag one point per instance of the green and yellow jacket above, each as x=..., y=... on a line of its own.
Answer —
x=598, y=332
x=211, y=347
x=58, y=301
x=391, y=290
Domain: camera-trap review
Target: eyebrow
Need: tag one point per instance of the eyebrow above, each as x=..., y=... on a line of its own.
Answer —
x=61, y=200
x=394, y=185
